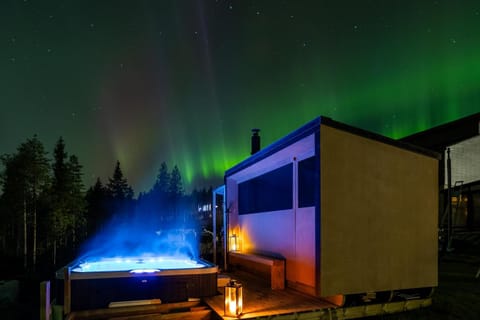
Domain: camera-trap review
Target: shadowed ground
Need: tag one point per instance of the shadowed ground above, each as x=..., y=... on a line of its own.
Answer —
x=458, y=292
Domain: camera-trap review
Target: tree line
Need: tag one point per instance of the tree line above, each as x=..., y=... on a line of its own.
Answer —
x=46, y=213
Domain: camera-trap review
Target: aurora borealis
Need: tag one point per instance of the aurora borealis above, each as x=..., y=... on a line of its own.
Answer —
x=185, y=81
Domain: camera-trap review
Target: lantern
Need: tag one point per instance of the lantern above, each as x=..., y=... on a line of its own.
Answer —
x=233, y=242
x=233, y=299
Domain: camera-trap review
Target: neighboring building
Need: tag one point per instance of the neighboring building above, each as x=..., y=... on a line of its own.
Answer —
x=462, y=139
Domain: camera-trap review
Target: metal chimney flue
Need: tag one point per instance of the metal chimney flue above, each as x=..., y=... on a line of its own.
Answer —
x=255, y=141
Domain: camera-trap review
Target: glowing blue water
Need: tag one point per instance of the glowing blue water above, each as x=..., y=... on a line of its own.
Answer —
x=137, y=265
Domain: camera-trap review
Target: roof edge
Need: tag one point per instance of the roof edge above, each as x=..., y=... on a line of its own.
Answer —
x=381, y=138
x=313, y=126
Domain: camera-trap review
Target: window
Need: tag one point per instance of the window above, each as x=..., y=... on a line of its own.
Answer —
x=270, y=191
x=307, y=180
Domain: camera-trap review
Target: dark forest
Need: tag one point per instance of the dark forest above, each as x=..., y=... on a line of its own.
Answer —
x=47, y=214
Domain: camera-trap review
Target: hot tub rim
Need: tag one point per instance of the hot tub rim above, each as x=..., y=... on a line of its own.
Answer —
x=207, y=268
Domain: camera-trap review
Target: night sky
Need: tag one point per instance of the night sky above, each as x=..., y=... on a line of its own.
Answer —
x=185, y=81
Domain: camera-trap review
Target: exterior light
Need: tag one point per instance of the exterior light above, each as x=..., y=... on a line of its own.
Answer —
x=233, y=242
x=233, y=299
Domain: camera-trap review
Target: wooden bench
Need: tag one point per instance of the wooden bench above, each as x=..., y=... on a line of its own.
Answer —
x=271, y=268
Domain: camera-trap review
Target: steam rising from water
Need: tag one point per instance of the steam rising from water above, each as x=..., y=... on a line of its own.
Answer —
x=144, y=235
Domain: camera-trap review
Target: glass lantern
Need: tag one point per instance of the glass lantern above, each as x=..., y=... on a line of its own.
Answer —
x=233, y=299
x=233, y=242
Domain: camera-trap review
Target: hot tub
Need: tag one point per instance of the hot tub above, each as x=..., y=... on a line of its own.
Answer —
x=96, y=283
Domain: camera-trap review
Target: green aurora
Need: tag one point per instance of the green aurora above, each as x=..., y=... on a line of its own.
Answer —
x=184, y=82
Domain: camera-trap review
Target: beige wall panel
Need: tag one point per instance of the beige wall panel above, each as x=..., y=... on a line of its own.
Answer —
x=378, y=216
x=271, y=232
x=305, y=246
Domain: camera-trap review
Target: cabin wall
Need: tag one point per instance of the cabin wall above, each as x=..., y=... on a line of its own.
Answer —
x=379, y=207
x=289, y=232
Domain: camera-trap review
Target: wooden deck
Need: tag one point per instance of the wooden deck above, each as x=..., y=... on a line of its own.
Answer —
x=260, y=302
